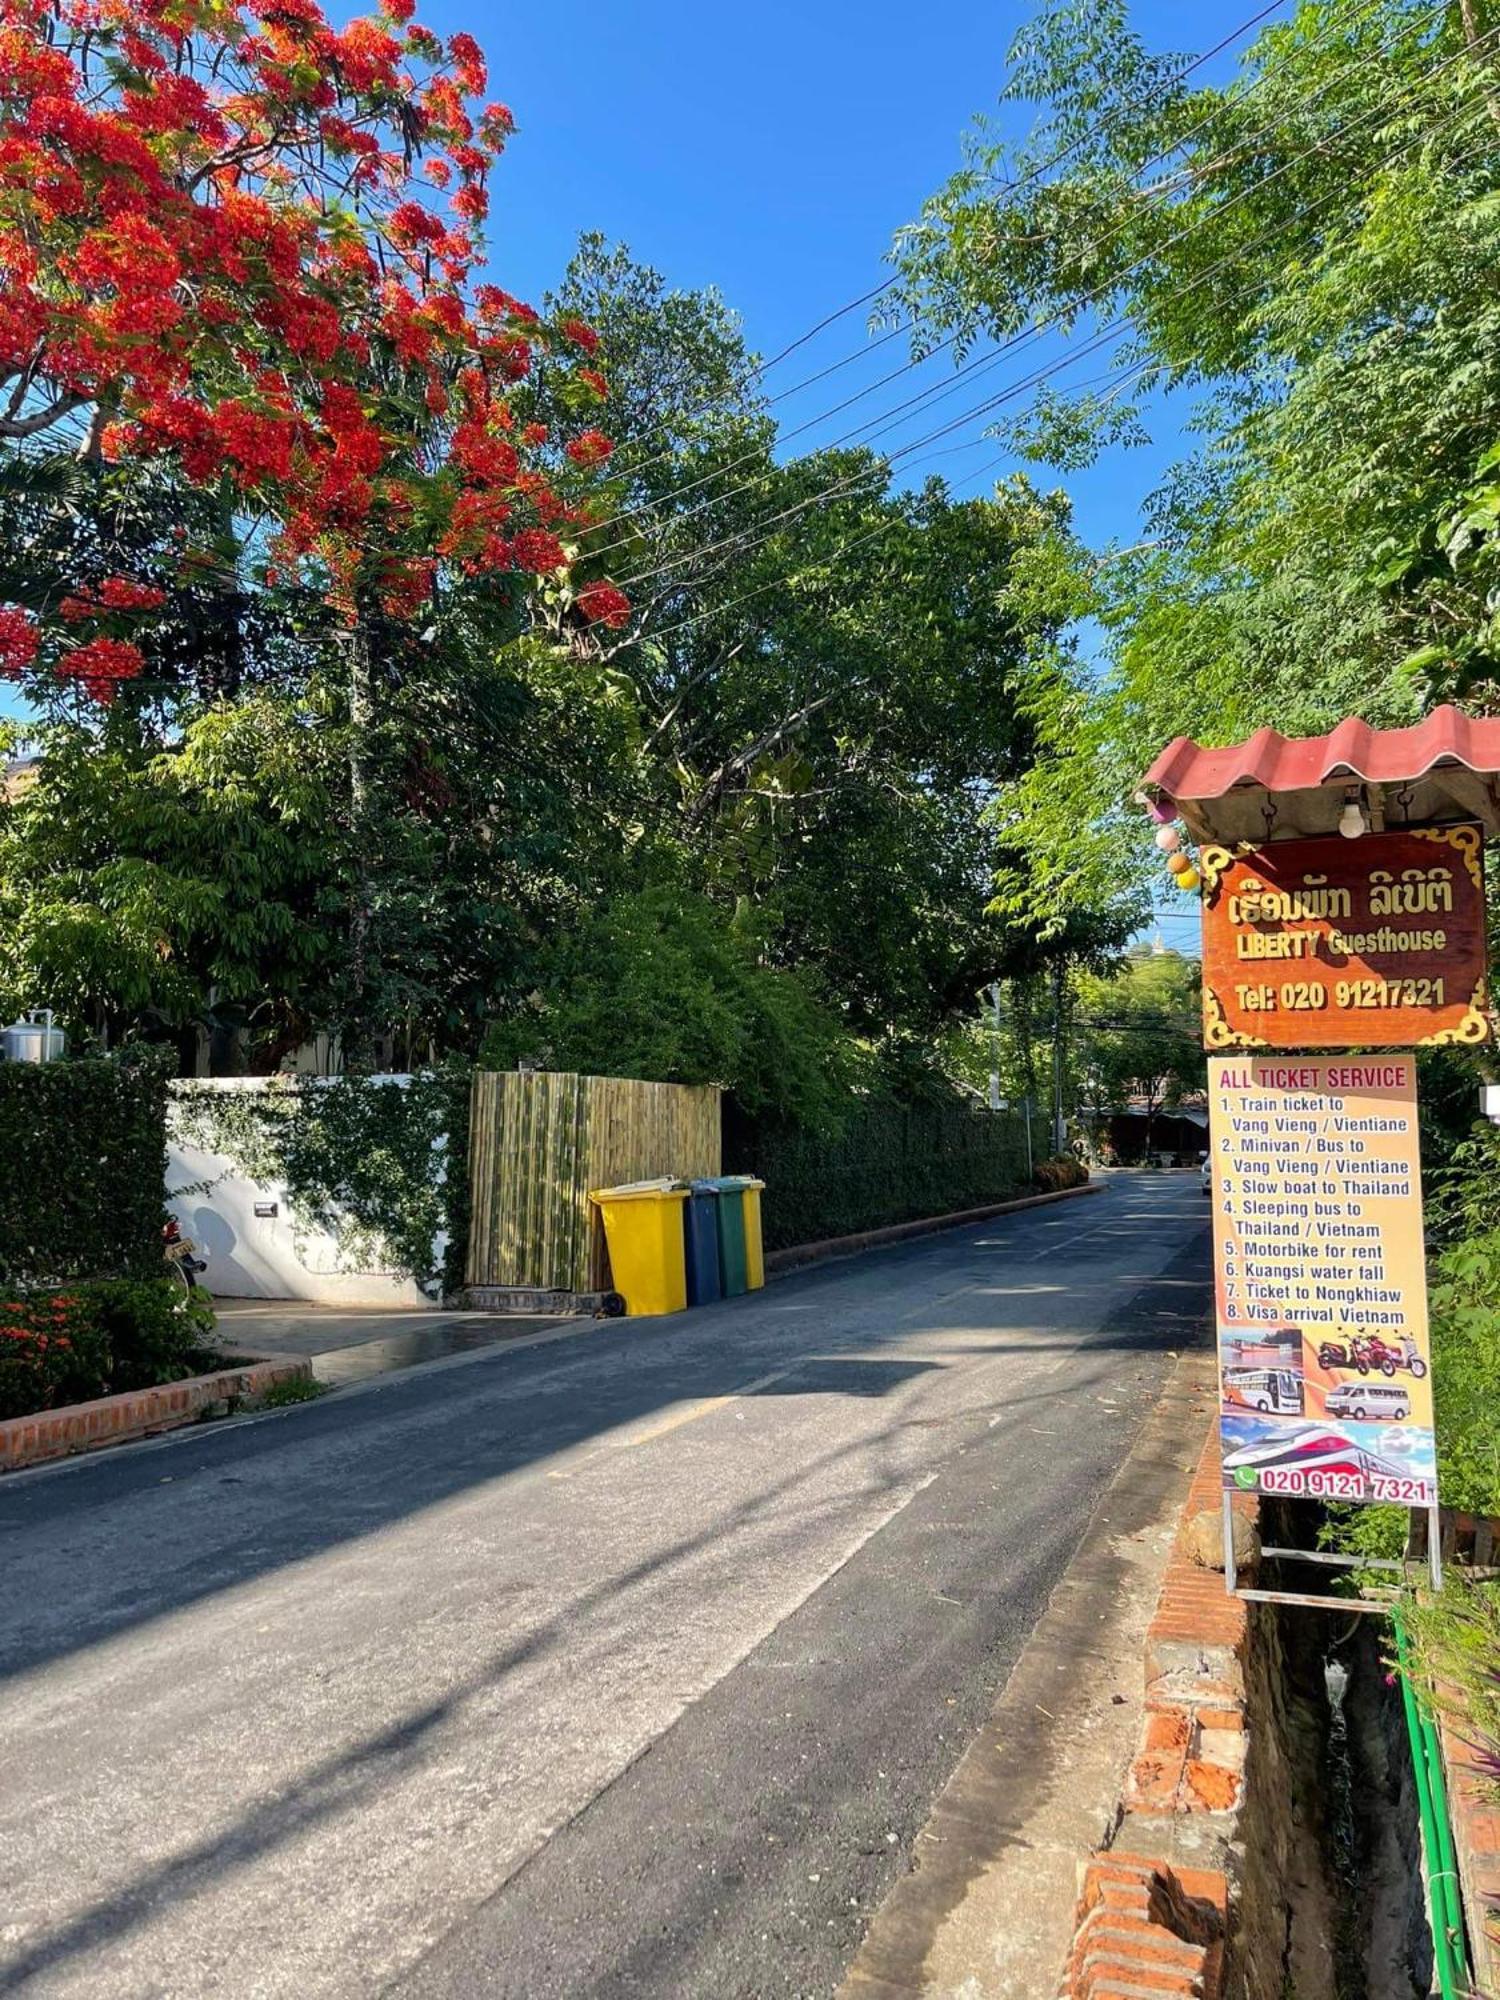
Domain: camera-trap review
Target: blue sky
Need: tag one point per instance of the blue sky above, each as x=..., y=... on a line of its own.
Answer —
x=772, y=153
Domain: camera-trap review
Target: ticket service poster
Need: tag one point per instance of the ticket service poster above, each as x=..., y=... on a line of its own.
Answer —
x=1325, y=1384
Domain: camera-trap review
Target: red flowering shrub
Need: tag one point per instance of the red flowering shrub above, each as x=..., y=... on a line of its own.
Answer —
x=98, y=1339
x=219, y=246
x=52, y=1351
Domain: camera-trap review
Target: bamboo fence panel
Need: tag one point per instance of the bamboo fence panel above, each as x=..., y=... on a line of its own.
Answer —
x=541, y=1140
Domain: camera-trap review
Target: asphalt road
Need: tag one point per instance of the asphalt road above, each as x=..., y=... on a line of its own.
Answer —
x=629, y=1664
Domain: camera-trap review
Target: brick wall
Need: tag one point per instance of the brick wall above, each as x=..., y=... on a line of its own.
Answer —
x=1155, y=1906
x=141, y=1413
x=1476, y=1840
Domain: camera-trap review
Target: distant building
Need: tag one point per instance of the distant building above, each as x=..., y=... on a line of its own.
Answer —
x=1178, y=1135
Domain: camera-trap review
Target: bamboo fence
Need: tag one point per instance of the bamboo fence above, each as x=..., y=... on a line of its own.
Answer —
x=540, y=1141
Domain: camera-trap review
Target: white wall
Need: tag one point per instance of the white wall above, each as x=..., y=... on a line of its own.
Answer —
x=254, y=1256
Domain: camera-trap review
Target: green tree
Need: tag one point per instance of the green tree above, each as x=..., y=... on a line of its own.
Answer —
x=826, y=672
x=1140, y=1036
x=657, y=984
x=1307, y=252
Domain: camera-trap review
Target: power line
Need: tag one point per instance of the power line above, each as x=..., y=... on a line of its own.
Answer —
x=1033, y=175
x=941, y=393
x=982, y=363
x=882, y=467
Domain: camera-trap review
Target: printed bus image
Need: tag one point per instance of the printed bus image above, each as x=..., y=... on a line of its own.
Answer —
x=1264, y=1389
x=1262, y=1370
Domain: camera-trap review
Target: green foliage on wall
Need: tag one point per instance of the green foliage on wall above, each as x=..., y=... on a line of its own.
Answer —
x=1465, y=1303
x=888, y=1163
x=84, y=1151
x=359, y=1158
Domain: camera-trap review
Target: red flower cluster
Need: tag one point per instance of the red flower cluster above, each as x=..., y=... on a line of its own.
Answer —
x=581, y=334
x=603, y=604
x=590, y=448
x=100, y=666
x=176, y=193
x=38, y=1322
x=19, y=640
x=115, y=593
x=541, y=553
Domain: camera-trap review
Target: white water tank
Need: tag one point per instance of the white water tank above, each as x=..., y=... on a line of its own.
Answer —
x=32, y=1039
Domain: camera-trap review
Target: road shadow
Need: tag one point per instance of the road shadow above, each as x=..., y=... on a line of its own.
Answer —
x=1154, y=1319
x=109, y=1544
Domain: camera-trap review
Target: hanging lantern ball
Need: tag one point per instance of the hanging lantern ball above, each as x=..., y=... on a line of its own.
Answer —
x=1189, y=880
x=1168, y=839
x=1179, y=863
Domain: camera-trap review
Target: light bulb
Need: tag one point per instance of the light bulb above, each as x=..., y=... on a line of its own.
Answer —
x=1351, y=820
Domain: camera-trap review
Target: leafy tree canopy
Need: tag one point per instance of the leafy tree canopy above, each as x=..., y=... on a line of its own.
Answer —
x=1309, y=253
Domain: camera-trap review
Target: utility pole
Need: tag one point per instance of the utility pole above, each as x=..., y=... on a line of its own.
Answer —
x=995, y=1099
x=1059, y=1129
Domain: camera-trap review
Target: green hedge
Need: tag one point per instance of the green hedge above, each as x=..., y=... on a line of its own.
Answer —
x=92, y=1340
x=82, y=1185
x=888, y=1163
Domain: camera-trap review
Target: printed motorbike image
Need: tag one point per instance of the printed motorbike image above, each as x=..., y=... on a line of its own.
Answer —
x=1367, y=1352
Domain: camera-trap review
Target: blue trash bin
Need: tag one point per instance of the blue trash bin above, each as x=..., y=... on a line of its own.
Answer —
x=700, y=1223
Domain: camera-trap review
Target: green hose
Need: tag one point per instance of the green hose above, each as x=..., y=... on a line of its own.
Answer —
x=1437, y=1835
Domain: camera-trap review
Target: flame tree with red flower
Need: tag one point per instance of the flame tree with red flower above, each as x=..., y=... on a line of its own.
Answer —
x=241, y=243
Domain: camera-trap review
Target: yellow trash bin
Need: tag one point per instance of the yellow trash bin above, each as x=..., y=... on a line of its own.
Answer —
x=643, y=1228
x=755, y=1260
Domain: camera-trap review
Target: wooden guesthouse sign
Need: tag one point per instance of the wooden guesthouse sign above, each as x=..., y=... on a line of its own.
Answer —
x=1331, y=943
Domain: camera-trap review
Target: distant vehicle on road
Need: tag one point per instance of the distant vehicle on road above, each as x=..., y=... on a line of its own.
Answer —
x=1206, y=1175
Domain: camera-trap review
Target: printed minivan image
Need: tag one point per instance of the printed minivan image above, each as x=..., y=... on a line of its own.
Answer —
x=1368, y=1400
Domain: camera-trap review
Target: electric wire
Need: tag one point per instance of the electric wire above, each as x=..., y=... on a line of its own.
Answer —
x=1114, y=327
x=982, y=363
x=884, y=422
x=660, y=634
x=1035, y=173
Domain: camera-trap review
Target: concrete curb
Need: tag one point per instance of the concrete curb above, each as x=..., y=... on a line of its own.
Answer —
x=79, y=1427
x=779, y=1262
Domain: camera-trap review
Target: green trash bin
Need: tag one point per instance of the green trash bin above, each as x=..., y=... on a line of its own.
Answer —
x=739, y=1260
